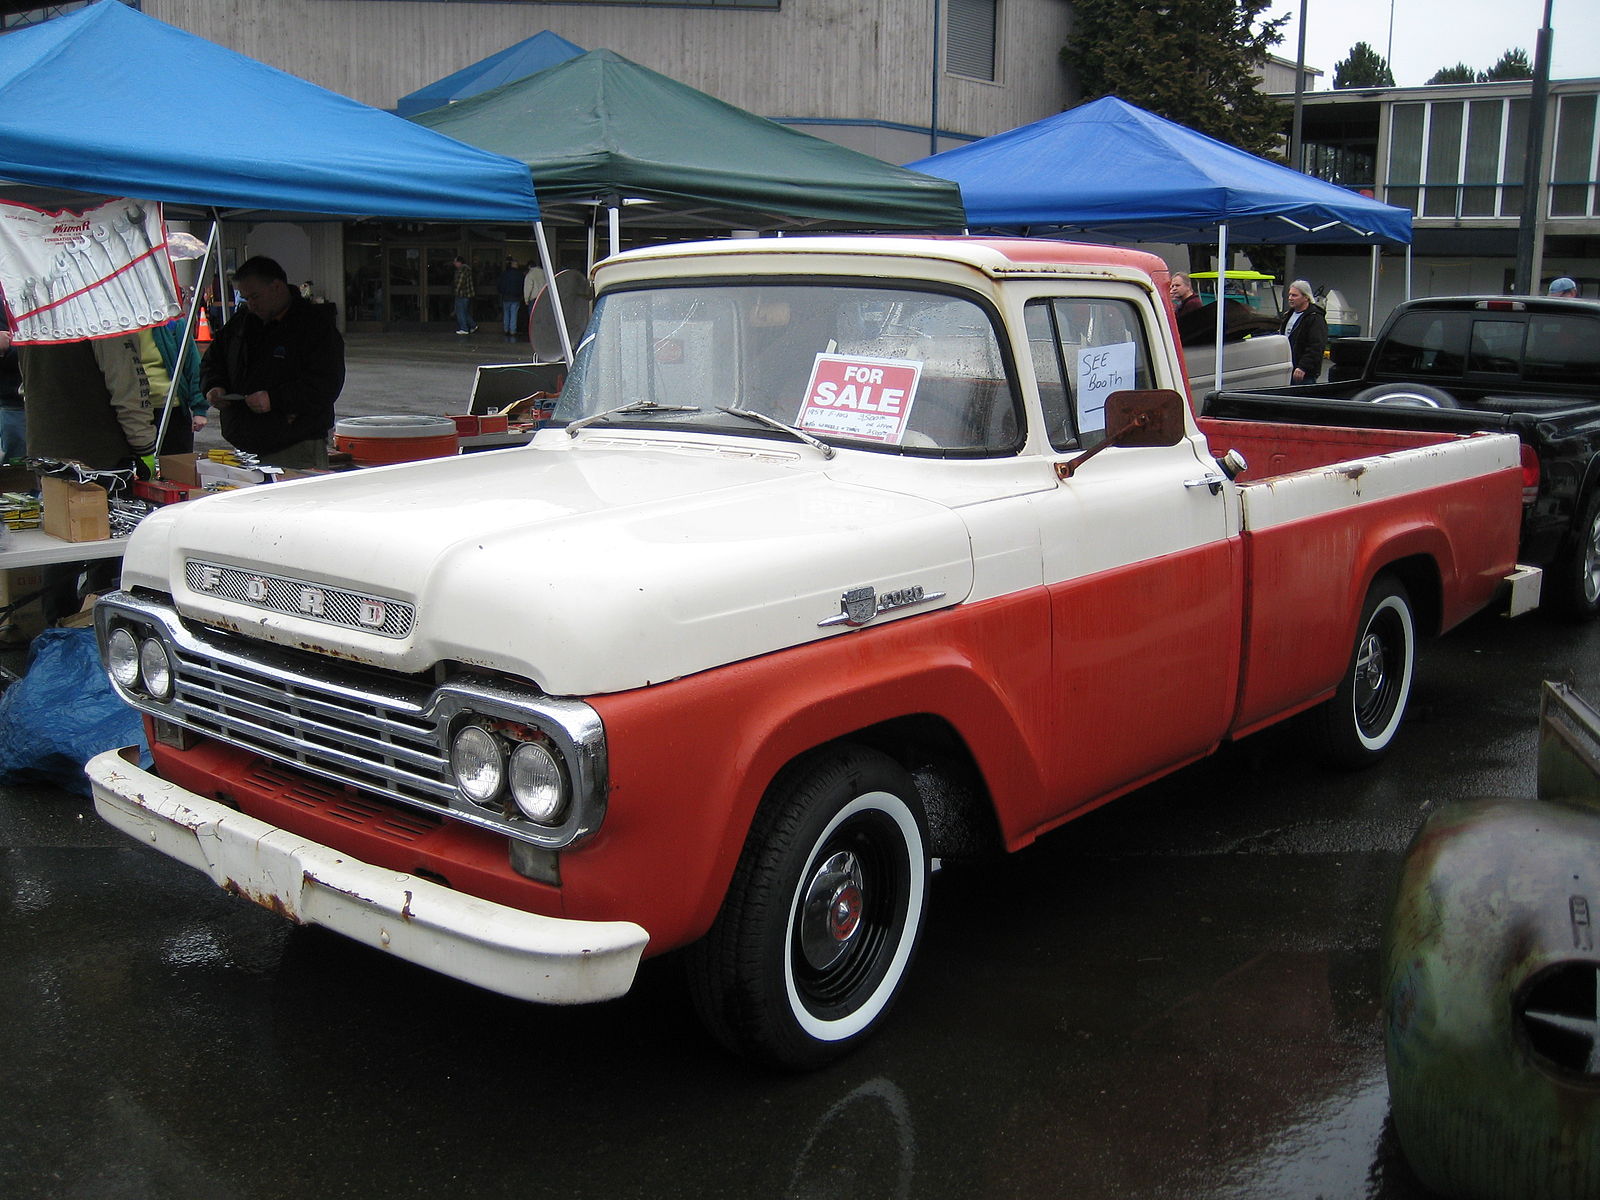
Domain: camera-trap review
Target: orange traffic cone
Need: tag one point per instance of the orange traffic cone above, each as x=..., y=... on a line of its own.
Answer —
x=202, y=331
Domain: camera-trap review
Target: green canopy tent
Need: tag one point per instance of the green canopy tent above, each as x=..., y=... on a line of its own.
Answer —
x=600, y=131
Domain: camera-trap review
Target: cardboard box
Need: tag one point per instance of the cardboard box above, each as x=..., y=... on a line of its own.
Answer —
x=25, y=622
x=74, y=512
x=180, y=468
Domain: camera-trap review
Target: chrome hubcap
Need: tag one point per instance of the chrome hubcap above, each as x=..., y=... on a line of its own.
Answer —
x=830, y=915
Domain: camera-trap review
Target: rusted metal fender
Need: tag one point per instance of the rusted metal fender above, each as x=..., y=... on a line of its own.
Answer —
x=1492, y=1001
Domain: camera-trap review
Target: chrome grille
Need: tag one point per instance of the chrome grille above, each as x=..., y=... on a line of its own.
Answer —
x=370, y=729
x=301, y=598
x=384, y=743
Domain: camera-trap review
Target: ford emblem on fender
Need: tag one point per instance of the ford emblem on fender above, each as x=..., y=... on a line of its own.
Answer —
x=859, y=605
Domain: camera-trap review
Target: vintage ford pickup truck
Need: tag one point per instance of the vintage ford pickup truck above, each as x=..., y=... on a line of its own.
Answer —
x=844, y=556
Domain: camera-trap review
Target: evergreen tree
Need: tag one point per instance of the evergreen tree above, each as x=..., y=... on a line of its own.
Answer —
x=1513, y=64
x=1460, y=73
x=1191, y=61
x=1364, y=68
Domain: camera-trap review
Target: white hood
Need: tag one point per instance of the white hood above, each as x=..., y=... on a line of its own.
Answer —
x=590, y=566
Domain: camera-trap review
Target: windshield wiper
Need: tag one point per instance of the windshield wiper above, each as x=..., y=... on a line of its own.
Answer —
x=773, y=423
x=638, y=406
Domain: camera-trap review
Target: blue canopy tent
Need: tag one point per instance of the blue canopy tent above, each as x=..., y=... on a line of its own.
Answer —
x=88, y=107
x=1112, y=170
x=88, y=102
x=527, y=57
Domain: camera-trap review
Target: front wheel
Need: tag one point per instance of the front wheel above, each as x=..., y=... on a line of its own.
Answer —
x=823, y=916
x=1357, y=726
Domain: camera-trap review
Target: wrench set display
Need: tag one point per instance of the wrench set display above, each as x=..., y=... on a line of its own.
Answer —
x=69, y=276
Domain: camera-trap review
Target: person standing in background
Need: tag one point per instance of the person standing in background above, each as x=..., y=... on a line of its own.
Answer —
x=1184, y=297
x=1307, y=330
x=509, y=286
x=275, y=370
x=464, y=291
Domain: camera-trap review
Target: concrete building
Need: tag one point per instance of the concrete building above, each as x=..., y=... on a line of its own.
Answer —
x=1455, y=155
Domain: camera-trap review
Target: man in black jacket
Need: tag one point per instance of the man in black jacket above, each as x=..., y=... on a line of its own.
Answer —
x=1306, y=327
x=275, y=370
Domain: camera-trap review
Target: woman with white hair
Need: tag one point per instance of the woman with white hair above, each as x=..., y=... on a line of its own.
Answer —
x=1306, y=327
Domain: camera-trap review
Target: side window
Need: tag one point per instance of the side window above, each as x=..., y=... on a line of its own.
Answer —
x=1562, y=349
x=1496, y=347
x=1044, y=347
x=1425, y=343
x=1099, y=349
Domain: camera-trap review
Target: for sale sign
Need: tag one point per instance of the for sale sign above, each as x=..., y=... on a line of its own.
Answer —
x=867, y=398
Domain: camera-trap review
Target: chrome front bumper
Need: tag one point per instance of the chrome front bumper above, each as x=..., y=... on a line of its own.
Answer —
x=523, y=955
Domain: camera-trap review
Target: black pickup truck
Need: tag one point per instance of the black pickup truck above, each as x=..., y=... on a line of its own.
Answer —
x=1517, y=364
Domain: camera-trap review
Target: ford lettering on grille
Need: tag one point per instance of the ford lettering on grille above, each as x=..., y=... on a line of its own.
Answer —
x=315, y=601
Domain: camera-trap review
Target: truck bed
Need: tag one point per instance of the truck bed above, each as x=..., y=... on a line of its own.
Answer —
x=1273, y=449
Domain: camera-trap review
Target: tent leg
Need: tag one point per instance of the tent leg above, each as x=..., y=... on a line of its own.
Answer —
x=1408, y=274
x=553, y=291
x=614, y=224
x=1372, y=294
x=196, y=298
x=1222, y=296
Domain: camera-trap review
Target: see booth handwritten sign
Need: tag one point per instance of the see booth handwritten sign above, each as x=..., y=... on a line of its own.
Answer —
x=867, y=398
x=1101, y=371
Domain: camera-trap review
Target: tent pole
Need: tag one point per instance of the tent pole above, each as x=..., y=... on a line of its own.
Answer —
x=1408, y=270
x=553, y=291
x=614, y=222
x=1222, y=296
x=1372, y=294
x=213, y=243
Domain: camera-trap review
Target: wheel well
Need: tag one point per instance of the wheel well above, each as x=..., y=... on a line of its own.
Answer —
x=960, y=811
x=1420, y=575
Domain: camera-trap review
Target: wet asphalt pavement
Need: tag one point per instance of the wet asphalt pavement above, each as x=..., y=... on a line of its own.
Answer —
x=1174, y=997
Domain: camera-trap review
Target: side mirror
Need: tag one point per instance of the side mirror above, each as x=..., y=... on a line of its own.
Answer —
x=1151, y=418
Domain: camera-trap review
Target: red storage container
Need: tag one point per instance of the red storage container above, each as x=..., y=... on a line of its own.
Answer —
x=374, y=441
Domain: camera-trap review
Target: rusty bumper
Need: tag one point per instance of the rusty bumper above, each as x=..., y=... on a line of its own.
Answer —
x=519, y=954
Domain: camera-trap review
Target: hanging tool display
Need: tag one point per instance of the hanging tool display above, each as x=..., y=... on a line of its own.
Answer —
x=99, y=272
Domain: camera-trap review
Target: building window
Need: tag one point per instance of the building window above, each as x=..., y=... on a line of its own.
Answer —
x=1573, y=171
x=1453, y=158
x=970, y=49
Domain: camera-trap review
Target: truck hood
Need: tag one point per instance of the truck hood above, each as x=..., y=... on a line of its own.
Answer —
x=588, y=566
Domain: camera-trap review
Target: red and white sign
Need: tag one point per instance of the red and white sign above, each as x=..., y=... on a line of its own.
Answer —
x=867, y=398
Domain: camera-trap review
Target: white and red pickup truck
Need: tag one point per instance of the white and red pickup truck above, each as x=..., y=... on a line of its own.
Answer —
x=844, y=556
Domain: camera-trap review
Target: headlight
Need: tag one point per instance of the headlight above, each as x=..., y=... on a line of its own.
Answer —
x=477, y=763
x=537, y=784
x=122, y=657
x=156, y=668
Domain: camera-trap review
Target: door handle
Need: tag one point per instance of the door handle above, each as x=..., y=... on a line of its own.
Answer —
x=1214, y=482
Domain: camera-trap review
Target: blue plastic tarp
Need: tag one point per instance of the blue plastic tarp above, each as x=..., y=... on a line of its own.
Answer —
x=527, y=57
x=1113, y=169
x=109, y=101
x=62, y=713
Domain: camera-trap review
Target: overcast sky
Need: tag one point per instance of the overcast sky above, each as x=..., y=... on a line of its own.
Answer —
x=1431, y=34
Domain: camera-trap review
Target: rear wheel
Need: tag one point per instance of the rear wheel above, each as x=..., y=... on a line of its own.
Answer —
x=822, y=919
x=1357, y=727
x=1577, y=591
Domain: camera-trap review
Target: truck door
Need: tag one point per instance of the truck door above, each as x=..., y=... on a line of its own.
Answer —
x=1142, y=560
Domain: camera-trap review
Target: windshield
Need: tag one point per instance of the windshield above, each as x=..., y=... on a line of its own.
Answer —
x=866, y=366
